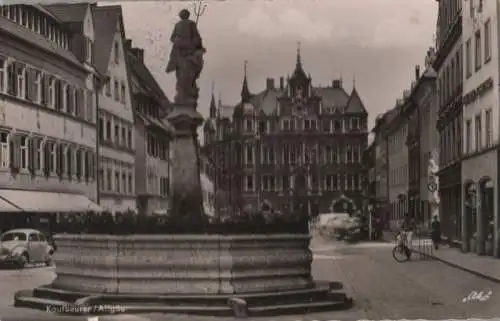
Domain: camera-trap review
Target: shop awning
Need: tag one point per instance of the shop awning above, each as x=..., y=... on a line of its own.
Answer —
x=8, y=207
x=34, y=201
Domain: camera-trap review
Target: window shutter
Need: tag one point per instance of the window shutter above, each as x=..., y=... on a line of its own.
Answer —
x=44, y=89
x=27, y=85
x=11, y=79
x=31, y=154
x=92, y=164
x=87, y=165
x=18, y=152
x=46, y=157
x=60, y=160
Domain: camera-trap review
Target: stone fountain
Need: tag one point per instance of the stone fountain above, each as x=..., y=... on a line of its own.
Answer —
x=190, y=273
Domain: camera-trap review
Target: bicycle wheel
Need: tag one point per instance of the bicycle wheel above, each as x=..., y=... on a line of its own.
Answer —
x=400, y=253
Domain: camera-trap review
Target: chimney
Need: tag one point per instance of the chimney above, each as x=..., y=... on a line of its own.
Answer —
x=282, y=83
x=138, y=53
x=269, y=83
x=128, y=44
x=417, y=72
x=337, y=83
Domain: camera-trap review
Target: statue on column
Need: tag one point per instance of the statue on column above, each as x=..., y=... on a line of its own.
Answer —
x=186, y=59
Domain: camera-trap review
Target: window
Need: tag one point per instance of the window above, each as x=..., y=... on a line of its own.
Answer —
x=249, y=183
x=90, y=106
x=338, y=125
x=478, y=129
x=354, y=123
x=3, y=73
x=348, y=152
x=78, y=160
x=124, y=136
x=468, y=58
x=15, y=84
x=89, y=45
x=249, y=154
x=4, y=150
x=107, y=88
x=122, y=96
x=108, y=130
x=356, y=155
x=69, y=161
x=129, y=138
x=124, y=182
x=488, y=124
x=117, y=52
x=130, y=183
x=468, y=136
x=487, y=41
x=477, y=51
x=268, y=183
x=109, y=180
x=249, y=126
x=116, y=139
x=117, y=92
x=24, y=152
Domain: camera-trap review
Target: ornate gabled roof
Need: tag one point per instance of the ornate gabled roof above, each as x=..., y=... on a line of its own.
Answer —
x=355, y=104
x=245, y=92
x=299, y=75
x=105, y=21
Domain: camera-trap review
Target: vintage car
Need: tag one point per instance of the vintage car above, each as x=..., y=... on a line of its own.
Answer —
x=23, y=246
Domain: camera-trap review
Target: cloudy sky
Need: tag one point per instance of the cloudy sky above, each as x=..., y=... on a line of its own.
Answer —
x=376, y=42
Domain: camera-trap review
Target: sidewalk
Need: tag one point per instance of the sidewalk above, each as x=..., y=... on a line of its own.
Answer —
x=483, y=266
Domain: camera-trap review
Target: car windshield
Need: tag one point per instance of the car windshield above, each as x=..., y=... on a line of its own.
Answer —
x=13, y=237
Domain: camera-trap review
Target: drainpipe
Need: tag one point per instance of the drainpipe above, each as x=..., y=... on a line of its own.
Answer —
x=97, y=85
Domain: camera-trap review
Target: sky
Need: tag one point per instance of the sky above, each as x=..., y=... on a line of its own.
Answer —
x=375, y=44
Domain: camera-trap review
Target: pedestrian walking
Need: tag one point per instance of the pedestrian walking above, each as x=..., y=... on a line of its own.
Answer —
x=436, y=232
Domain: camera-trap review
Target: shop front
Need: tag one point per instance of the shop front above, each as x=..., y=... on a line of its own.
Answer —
x=480, y=204
x=39, y=210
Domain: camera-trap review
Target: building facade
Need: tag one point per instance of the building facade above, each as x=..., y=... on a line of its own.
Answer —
x=421, y=140
x=448, y=65
x=397, y=153
x=152, y=137
x=292, y=141
x=382, y=207
x=47, y=115
x=480, y=127
x=115, y=118
x=425, y=98
x=207, y=186
x=370, y=185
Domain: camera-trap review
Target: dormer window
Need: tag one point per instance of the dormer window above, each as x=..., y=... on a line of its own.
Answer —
x=117, y=53
x=285, y=124
x=249, y=125
x=354, y=123
x=89, y=48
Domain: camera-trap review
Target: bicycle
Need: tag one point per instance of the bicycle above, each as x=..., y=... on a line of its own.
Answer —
x=401, y=252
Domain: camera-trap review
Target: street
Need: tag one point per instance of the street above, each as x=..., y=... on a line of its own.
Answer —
x=381, y=288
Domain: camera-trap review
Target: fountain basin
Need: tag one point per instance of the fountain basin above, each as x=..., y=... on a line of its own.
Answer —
x=200, y=274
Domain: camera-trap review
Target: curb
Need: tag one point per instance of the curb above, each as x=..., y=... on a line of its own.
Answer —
x=460, y=267
x=457, y=266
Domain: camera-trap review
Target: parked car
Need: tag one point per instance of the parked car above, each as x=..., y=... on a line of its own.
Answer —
x=333, y=224
x=23, y=246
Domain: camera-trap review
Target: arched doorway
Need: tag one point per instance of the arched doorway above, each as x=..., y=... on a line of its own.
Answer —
x=469, y=226
x=486, y=216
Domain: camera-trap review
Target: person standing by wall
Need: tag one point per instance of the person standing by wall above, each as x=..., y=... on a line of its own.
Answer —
x=436, y=232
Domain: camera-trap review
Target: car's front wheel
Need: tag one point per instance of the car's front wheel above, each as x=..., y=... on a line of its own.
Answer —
x=23, y=260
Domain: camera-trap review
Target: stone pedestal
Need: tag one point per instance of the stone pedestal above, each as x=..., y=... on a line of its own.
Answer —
x=186, y=193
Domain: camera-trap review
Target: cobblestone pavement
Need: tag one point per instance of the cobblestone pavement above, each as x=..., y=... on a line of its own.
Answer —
x=381, y=288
